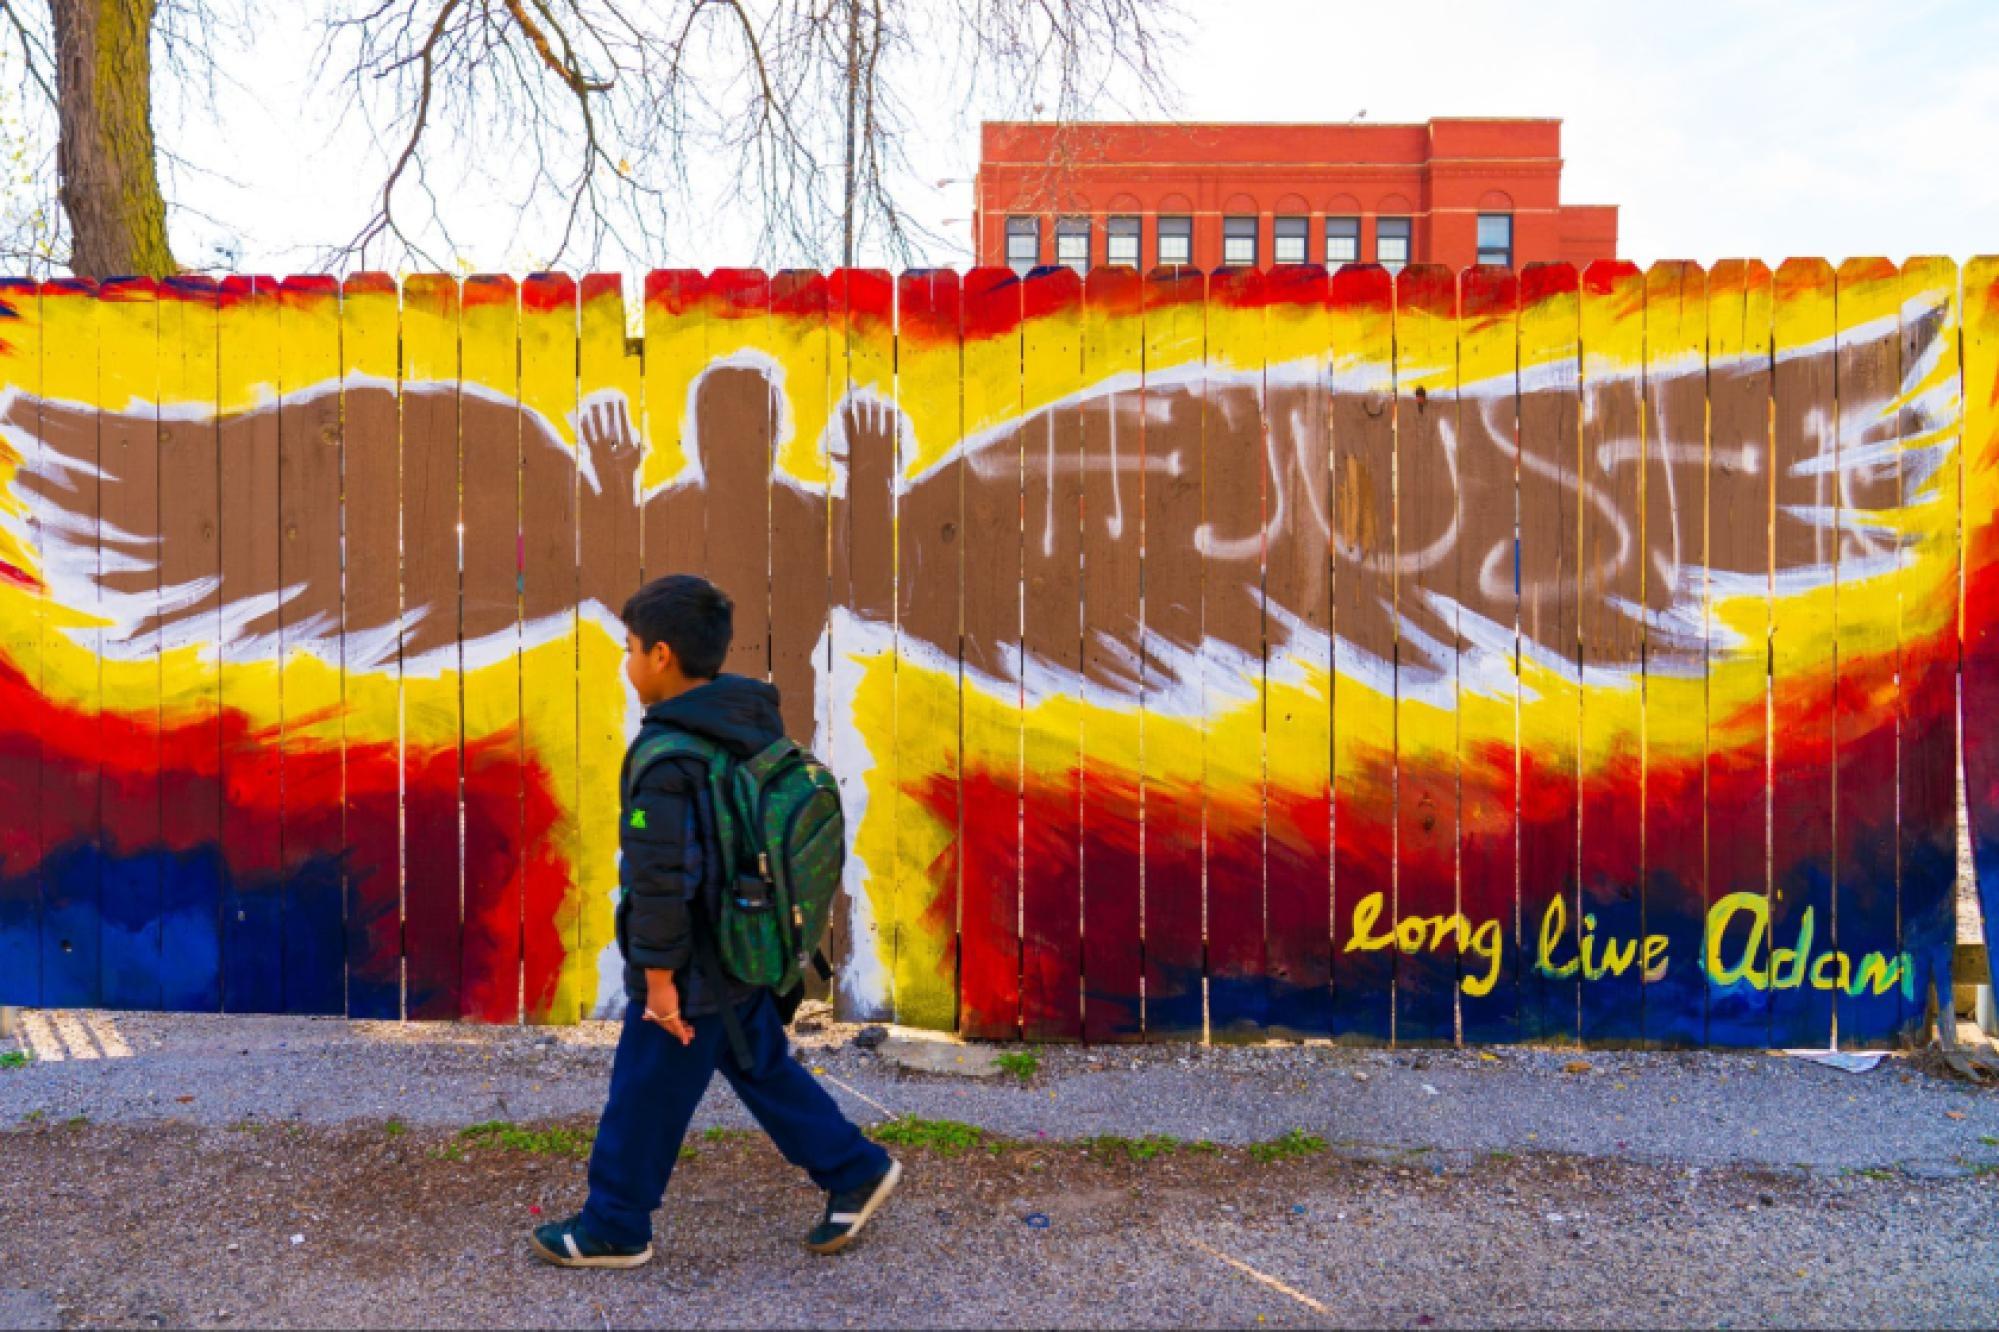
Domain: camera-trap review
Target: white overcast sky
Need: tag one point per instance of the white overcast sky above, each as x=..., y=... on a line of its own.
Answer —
x=1751, y=127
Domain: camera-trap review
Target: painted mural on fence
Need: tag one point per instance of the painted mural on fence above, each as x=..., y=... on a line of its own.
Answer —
x=1531, y=656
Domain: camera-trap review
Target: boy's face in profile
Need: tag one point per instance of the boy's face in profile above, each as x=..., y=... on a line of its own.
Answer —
x=652, y=671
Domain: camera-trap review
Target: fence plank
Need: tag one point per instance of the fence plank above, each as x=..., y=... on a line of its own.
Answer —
x=1612, y=793
x=1113, y=460
x=1232, y=668
x=1550, y=594
x=1488, y=694
x=552, y=457
x=312, y=831
x=864, y=682
x=490, y=444
x=129, y=454
x=1051, y=656
x=1362, y=302
x=432, y=757
x=1172, y=780
x=733, y=406
x=1930, y=480
x=673, y=494
x=1737, y=598
x=1867, y=497
x=252, y=764
x=1674, y=521
x=1803, y=549
x=799, y=494
x=1299, y=658
x=370, y=338
x=1427, y=597
x=1981, y=577
x=72, y=784
x=610, y=562
x=928, y=860
x=989, y=974
x=30, y=722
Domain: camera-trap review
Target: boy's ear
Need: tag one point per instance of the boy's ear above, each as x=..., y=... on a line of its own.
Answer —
x=662, y=656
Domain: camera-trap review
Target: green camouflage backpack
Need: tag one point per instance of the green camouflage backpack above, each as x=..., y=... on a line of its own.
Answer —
x=784, y=847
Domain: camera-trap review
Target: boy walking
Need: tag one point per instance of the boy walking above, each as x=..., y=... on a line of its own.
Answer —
x=676, y=1032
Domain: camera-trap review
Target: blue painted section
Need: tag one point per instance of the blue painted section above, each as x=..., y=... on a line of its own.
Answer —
x=129, y=931
x=21, y=940
x=1676, y=1003
x=315, y=938
x=191, y=931
x=253, y=944
x=72, y=877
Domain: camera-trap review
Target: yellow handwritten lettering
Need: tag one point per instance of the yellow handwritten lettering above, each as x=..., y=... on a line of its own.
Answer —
x=1554, y=923
x=1366, y=913
x=1845, y=977
x=1719, y=917
x=1879, y=975
x=1485, y=943
x=1655, y=958
x=1797, y=957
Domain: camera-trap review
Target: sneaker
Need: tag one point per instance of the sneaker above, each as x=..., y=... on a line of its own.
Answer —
x=847, y=1212
x=568, y=1244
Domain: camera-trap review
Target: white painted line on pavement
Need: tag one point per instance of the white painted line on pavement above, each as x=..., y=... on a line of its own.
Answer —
x=1262, y=1277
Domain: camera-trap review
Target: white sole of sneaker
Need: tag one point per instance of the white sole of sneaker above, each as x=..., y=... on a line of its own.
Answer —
x=620, y=1261
x=875, y=1200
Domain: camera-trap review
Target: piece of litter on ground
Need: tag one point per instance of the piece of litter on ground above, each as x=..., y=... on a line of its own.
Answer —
x=1576, y=1066
x=1359, y=1076
x=1486, y=1057
x=1953, y=1114
x=1556, y=1217
x=1846, y=1061
x=233, y=1248
x=298, y=1239
x=1036, y=1220
x=1428, y=1090
x=1297, y=1209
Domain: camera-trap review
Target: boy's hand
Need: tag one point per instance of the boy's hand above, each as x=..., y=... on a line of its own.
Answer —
x=663, y=1005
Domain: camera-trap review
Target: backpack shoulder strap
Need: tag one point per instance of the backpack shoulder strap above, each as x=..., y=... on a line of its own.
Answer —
x=669, y=743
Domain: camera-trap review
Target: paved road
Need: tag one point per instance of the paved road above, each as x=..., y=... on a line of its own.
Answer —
x=1456, y=1189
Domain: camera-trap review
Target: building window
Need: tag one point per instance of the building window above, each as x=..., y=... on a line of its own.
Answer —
x=1023, y=243
x=1287, y=240
x=1342, y=240
x=1495, y=239
x=1239, y=242
x=1072, y=243
x=1176, y=240
x=1391, y=242
x=1121, y=241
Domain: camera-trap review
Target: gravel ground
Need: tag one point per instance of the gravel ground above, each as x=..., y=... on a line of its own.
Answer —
x=1456, y=1188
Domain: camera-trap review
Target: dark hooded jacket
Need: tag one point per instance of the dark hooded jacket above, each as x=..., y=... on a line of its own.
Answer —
x=667, y=864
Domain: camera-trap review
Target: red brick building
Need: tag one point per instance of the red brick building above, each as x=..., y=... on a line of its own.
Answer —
x=1454, y=192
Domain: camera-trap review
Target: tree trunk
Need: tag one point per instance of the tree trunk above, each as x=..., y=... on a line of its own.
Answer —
x=110, y=185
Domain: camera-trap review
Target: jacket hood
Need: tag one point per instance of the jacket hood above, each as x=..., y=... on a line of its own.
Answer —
x=735, y=712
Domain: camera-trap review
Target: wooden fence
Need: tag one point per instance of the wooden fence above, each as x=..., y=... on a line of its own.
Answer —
x=1440, y=656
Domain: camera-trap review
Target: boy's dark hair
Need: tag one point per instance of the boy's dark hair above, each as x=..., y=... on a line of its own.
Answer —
x=688, y=614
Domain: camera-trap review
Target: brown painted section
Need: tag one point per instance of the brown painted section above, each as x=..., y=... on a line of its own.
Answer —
x=608, y=514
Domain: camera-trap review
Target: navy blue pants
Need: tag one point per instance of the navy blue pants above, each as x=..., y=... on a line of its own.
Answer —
x=655, y=1084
